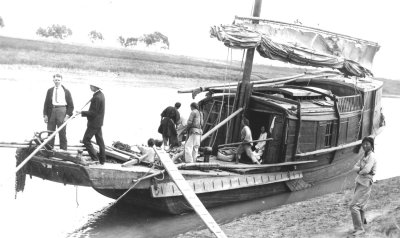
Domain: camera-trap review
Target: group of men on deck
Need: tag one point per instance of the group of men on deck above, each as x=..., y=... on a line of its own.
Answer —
x=174, y=128
x=59, y=107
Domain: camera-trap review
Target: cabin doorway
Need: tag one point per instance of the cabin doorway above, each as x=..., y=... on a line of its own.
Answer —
x=273, y=124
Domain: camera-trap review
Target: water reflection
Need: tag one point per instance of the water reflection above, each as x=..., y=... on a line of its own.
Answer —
x=129, y=221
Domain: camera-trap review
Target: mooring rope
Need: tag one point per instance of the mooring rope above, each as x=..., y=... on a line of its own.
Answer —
x=136, y=183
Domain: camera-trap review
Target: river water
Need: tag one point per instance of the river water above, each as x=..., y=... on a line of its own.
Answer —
x=133, y=107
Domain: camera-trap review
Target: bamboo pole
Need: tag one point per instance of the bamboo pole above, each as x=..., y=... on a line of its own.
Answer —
x=28, y=143
x=48, y=139
x=243, y=142
x=321, y=151
x=235, y=84
x=215, y=165
x=221, y=124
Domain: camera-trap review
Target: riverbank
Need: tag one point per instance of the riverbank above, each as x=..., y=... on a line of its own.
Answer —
x=325, y=216
x=63, y=56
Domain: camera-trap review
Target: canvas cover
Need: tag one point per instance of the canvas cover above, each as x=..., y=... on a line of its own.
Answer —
x=300, y=45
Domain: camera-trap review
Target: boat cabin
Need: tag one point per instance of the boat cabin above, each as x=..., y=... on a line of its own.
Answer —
x=300, y=116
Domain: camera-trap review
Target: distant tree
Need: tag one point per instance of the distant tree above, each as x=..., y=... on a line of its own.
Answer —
x=95, y=36
x=121, y=40
x=150, y=39
x=55, y=31
x=130, y=41
x=1, y=22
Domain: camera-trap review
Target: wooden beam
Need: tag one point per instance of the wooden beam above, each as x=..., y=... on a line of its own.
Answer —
x=298, y=128
x=189, y=194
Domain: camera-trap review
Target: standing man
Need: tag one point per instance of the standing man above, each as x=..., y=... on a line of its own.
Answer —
x=366, y=169
x=245, y=146
x=169, y=119
x=95, y=117
x=58, y=107
x=194, y=125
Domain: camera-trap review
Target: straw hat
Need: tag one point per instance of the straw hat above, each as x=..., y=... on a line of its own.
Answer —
x=96, y=83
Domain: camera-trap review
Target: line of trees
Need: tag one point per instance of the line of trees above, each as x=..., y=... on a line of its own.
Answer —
x=62, y=32
x=148, y=39
x=56, y=31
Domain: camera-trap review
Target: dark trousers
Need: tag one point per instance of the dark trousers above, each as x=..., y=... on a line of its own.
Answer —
x=171, y=140
x=89, y=133
x=56, y=120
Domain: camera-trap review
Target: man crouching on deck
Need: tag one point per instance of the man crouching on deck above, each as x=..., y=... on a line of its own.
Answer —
x=95, y=117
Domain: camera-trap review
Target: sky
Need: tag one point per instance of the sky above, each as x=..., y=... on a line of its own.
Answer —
x=187, y=22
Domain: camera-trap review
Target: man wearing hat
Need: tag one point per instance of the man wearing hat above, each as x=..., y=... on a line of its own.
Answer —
x=95, y=117
x=58, y=107
x=169, y=119
x=365, y=169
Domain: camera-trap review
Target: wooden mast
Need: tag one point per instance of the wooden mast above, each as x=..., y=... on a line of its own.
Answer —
x=244, y=88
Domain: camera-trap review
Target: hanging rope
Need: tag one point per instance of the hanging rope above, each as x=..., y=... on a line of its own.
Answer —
x=227, y=68
x=76, y=196
x=234, y=101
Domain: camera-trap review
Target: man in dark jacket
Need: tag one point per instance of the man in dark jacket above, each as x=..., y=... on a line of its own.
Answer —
x=169, y=119
x=95, y=117
x=58, y=107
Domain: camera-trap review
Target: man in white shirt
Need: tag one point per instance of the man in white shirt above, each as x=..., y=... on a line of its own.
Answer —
x=263, y=135
x=58, y=107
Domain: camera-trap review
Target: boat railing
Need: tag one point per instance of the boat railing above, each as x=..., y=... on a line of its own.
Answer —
x=349, y=103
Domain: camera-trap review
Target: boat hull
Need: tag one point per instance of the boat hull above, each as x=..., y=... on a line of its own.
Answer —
x=331, y=173
x=59, y=171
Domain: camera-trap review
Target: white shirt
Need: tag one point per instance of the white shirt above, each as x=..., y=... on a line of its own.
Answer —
x=261, y=144
x=60, y=96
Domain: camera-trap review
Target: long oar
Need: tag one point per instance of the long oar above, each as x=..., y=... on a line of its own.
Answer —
x=48, y=139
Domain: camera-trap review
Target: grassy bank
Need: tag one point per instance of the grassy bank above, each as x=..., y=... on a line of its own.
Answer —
x=72, y=56
x=326, y=216
x=59, y=55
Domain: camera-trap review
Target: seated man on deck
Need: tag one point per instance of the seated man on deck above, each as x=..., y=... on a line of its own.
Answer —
x=246, y=144
x=263, y=136
x=148, y=154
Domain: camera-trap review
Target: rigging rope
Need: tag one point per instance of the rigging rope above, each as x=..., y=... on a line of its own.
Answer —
x=228, y=126
x=214, y=138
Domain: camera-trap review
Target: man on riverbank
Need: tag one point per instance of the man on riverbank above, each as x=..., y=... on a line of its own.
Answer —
x=169, y=119
x=95, y=117
x=58, y=107
x=366, y=169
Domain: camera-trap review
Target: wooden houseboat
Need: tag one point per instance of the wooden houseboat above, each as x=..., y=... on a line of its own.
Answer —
x=315, y=122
